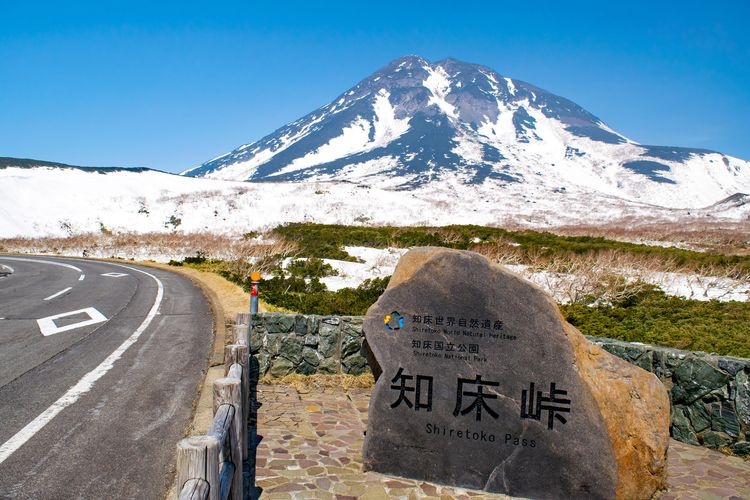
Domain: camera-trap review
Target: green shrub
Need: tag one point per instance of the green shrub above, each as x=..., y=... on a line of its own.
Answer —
x=655, y=318
x=310, y=268
x=312, y=297
x=220, y=267
x=198, y=258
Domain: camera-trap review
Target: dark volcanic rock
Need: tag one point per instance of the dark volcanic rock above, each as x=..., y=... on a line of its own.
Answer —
x=695, y=378
x=485, y=386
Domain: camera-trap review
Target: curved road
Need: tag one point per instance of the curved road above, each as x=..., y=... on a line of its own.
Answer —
x=99, y=366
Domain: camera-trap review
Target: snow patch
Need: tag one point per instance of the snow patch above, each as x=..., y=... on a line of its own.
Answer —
x=468, y=149
x=439, y=85
x=387, y=126
x=355, y=138
x=378, y=263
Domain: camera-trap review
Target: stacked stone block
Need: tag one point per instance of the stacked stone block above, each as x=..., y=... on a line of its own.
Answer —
x=289, y=343
x=709, y=394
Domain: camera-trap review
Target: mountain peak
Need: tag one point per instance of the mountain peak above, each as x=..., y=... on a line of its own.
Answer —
x=451, y=64
x=408, y=61
x=413, y=123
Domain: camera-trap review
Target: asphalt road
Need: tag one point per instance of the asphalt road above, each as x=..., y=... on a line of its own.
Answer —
x=99, y=366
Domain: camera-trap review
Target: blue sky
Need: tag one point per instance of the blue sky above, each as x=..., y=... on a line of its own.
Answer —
x=169, y=85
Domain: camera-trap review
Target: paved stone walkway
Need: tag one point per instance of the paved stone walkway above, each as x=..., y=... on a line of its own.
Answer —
x=311, y=447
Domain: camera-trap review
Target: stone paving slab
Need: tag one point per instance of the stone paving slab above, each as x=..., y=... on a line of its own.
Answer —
x=311, y=447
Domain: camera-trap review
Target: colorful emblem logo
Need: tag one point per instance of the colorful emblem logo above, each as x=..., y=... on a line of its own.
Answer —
x=394, y=321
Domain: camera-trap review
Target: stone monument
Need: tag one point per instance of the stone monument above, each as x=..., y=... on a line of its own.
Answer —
x=482, y=384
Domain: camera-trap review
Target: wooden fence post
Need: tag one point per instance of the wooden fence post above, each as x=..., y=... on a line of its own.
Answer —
x=223, y=429
x=198, y=458
x=239, y=354
x=228, y=390
x=242, y=334
x=240, y=372
x=243, y=318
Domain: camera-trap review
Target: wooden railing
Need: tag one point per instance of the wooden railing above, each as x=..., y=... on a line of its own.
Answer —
x=210, y=467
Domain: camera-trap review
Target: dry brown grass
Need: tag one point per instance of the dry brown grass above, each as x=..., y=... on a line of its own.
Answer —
x=610, y=275
x=245, y=257
x=613, y=259
x=153, y=246
x=232, y=297
x=306, y=383
x=728, y=238
x=508, y=253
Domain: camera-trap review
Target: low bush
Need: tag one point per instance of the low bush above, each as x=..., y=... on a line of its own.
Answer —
x=312, y=297
x=655, y=318
x=310, y=268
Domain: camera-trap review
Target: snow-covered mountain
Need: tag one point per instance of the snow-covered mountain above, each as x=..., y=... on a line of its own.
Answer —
x=417, y=143
x=416, y=124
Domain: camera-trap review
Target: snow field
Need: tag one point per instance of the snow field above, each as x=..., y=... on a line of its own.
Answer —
x=43, y=201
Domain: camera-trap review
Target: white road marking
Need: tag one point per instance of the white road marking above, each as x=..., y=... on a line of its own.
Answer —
x=86, y=383
x=61, y=264
x=59, y=293
x=115, y=275
x=82, y=277
x=48, y=326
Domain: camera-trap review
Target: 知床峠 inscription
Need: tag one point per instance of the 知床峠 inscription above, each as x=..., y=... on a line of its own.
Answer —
x=483, y=385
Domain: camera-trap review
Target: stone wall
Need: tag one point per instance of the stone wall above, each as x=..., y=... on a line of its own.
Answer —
x=288, y=343
x=710, y=395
